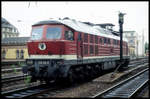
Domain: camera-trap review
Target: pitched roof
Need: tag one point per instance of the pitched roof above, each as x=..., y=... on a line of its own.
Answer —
x=7, y=24
x=15, y=41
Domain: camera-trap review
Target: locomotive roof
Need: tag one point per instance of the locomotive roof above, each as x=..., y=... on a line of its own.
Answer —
x=81, y=27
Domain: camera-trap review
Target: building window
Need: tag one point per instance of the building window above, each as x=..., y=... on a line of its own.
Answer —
x=3, y=54
x=7, y=29
x=3, y=29
x=17, y=54
x=5, y=35
x=22, y=54
x=10, y=29
x=15, y=30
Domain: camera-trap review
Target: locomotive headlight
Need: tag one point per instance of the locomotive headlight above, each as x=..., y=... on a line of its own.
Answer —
x=42, y=46
x=44, y=62
x=60, y=62
x=39, y=62
x=29, y=62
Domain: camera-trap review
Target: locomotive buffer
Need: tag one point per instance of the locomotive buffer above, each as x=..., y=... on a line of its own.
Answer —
x=121, y=15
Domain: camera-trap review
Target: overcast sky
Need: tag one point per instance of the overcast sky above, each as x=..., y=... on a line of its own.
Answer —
x=136, y=18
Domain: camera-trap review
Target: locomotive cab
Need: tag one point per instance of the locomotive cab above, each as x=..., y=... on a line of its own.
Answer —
x=47, y=50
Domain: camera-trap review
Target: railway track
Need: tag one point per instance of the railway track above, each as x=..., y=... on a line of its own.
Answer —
x=30, y=91
x=11, y=70
x=13, y=78
x=64, y=92
x=127, y=88
x=22, y=92
x=27, y=92
x=138, y=61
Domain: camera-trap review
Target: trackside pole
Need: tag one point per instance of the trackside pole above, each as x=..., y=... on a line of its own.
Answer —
x=121, y=15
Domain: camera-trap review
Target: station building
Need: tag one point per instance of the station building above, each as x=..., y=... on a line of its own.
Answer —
x=14, y=49
x=8, y=30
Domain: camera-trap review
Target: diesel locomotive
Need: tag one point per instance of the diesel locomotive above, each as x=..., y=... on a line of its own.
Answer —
x=72, y=50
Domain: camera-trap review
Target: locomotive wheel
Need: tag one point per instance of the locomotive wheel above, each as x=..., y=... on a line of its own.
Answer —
x=86, y=72
x=99, y=70
x=96, y=69
x=90, y=71
x=81, y=75
x=93, y=72
x=71, y=76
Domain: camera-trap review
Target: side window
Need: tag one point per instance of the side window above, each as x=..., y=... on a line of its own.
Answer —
x=104, y=40
x=85, y=49
x=91, y=38
x=96, y=39
x=108, y=41
x=96, y=49
x=85, y=37
x=69, y=35
x=117, y=42
x=101, y=40
x=79, y=36
x=91, y=49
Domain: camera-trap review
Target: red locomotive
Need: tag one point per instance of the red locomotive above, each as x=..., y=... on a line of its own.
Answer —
x=69, y=49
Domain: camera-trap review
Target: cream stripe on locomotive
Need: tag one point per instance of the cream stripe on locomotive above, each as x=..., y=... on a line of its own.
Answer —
x=66, y=57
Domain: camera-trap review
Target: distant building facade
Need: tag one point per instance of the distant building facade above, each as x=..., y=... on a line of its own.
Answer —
x=132, y=42
x=8, y=30
x=14, y=48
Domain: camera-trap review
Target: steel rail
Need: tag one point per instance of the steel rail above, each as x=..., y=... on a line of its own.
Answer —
x=24, y=92
x=10, y=70
x=13, y=78
x=109, y=90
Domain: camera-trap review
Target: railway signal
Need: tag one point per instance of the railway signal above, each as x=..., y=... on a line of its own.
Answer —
x=121, y=17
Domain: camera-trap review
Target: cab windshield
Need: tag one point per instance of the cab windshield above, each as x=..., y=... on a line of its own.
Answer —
x=53, y=33
x=36, y=33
